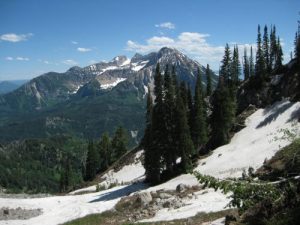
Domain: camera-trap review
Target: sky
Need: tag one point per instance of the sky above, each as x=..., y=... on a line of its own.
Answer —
x=38, y=36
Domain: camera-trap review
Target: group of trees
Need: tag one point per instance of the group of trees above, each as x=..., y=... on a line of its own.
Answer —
x=102, y=154
x=176, y=124
x=269, y=55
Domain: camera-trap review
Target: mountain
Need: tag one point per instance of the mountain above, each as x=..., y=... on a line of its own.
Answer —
x=7, y=86
x=88, y=101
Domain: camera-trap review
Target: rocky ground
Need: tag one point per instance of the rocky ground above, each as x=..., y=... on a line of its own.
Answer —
x=18, y=213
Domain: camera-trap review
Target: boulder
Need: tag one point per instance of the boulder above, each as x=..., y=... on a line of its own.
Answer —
x=181, y=188
x=144, y=198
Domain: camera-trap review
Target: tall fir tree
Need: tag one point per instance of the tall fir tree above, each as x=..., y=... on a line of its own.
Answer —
x=246, y=65
x=185, y=144
x=158, y=132
x=279, y=55
x=147, y=139
x=251, y=63
x=92, y=162
x=105, y=151
x=190, y=104
x=273, y=47
x=266, y=50
x=169, y=106
x=199, y=127
x=208, y=83
x=119, y=143
x=225, y=70
x=260, y=66
x=235, y=66
x=295, y=44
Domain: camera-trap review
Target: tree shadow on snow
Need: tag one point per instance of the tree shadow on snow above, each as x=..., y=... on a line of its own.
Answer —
x=120, y=192
x=274, y=113
x=295, y=115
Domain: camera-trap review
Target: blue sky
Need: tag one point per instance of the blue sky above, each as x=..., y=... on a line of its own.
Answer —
x=37, y=36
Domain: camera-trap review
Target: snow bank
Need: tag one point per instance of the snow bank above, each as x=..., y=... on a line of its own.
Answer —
x=129, y=173
x=112, y=84
x=255, y=143
x=60, y=209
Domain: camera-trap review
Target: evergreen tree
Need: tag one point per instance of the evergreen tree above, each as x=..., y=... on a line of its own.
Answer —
x=158, y=133
x=235, y=66
x=199, y=127
x=246, y=65
x=185, y=144
x=119, y=143
x=208, y=78
x=279, y=56
x=251, y=64
x=105, y=151
x=295, y=44
x=273, y=47
x=260, y=66
x=190, y=103
x=65, y=175
x=147, y=139
x=183, y=93
x=169, y=106
x=265, y=49
x=92, y=162
x=225, y=71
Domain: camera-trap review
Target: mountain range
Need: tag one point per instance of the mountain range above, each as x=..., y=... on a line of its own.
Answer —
x=88, y=101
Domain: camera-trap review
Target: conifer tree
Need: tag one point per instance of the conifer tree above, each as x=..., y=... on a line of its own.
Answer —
x=279, y=56
x=295, y=44
x=246, y=65
x=92, y=162
x=225, y=71
x=185, y=144
x=235, y=66
x=273, y=47
x=208, y=78
x=119, y=143
x=158, y=133
x=105, y=151
x=260, y=66
x=199, y=127
x=190, y=103
x=169, y=106
x=147, y=139
x=266, y=51
x=251, y=64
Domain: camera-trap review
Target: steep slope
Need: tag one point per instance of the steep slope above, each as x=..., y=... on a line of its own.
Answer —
x=87, y=101
x=249, y=147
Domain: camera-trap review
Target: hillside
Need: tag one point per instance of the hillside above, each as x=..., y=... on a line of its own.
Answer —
x=250, y=147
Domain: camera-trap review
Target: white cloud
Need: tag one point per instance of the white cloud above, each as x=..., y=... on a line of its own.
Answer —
x=166, y=25
x=74, y=42
x=11, y=37
x=84, y=49
x=19, y=58
x=70, y=62
x=9, y=58
x=195, y=45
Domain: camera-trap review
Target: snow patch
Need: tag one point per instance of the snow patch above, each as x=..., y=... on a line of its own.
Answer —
x=113, y=84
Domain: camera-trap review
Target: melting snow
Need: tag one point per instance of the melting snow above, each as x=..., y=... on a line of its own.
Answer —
x=139, y=66
x=113, y=84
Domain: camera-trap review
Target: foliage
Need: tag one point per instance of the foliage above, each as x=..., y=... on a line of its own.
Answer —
x=42, y=165
x=245, y=194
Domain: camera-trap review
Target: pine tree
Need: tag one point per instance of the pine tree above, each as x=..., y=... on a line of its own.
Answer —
x=92, y=162
x=169, y=106
x=295, y=44
x=119, y=143
x=190, y=104
x=235, y=66
x=199, y=127
x=147, y=139
x=279, y=56
x=185, y=144
x=251, y=64
x=266, y=51
x=260, y=66
x=273, y=47
x=246, y=65
x=105, y=151
x=225, y=71
x=158, y=132
x=208, y=78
